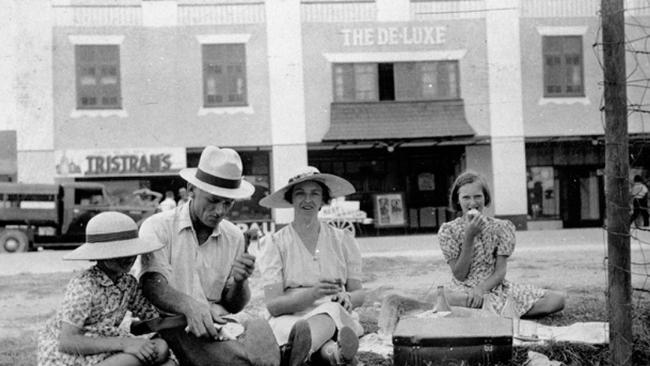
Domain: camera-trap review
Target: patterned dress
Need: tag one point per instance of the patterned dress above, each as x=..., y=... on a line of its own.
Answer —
x=496, y=238
x=97, y=305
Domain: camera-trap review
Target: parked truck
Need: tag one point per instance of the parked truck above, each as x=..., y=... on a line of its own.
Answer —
x=42, y=215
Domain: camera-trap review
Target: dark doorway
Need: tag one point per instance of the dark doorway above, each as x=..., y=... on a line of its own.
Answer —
x=581, y=196
x=386, y=82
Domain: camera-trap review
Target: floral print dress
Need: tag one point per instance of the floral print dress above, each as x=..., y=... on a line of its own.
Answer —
x=496, y=238
x=97, y=305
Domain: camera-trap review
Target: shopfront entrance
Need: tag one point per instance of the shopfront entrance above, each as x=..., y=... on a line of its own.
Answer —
x=582, y=201
x=403, y=189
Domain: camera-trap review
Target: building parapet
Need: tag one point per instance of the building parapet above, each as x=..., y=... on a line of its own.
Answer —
x=337, y=11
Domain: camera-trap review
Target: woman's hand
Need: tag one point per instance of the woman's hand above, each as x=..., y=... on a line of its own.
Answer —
x=474, y=226
x=344, y=299
x=143, y=349
x=475, y=297
x=326, y=287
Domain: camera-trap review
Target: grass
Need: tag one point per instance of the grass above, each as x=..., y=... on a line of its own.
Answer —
x=585, y=303
x=584, y=307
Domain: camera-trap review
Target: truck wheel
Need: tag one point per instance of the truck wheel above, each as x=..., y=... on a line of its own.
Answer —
x=13, y=241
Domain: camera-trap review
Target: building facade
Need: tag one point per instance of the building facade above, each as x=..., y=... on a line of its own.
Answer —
x=398, y=96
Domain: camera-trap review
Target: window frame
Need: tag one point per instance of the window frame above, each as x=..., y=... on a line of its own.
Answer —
x=563, y=68
x=407, y=88
x=229, y=79
x=98, y=63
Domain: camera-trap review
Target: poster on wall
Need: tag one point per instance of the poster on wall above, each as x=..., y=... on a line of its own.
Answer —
x=389, y=210
x=426, y=182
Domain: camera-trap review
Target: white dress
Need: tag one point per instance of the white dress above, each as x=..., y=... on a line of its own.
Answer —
x=286, y=260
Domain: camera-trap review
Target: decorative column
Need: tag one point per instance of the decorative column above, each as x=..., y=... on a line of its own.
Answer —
x=506, y=115
x=286, y=94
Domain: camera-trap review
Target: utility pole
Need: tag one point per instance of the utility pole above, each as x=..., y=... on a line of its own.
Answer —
x=617, y=168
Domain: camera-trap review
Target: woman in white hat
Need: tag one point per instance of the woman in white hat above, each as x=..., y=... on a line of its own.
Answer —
x=85, y=329
x=312, y=271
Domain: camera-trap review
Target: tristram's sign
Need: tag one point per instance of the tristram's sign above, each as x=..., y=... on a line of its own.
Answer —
x=407, y=35
x=114, y=162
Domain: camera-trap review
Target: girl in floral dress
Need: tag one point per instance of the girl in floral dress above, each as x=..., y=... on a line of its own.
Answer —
x=86, y=328
x=477, y=248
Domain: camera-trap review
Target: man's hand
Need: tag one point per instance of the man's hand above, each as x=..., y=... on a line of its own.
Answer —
x=200, y=321
x=243, y=267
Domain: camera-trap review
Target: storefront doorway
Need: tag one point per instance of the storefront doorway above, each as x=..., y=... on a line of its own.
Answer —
x=404, y=189
x=582, y=198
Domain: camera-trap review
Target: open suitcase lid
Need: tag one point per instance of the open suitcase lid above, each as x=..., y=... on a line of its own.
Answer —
x=422, y=331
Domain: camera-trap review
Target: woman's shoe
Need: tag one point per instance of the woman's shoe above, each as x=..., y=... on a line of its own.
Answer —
x=296, y=351
x=344, y=350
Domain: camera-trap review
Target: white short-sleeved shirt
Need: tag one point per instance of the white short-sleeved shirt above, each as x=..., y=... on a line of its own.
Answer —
x=286, y=260
x=200, y=271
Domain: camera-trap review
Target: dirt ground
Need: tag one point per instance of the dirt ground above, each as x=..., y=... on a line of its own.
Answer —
x=576, y=266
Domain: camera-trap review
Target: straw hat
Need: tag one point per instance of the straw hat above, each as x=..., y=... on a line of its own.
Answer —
x=338, y=187
x=219, y=173
x=110, y=235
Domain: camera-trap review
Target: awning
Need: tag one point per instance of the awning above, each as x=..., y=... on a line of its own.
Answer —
x=398, y=120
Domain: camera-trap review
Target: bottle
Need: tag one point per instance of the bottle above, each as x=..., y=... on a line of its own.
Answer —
x=440, y=303
x=510, y=311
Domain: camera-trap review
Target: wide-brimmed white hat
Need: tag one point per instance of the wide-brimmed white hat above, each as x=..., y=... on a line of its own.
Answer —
x=219, y=173
x=110, y=235
x=338, y=187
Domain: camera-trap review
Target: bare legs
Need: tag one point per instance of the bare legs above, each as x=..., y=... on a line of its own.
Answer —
x=551, y=302
x=125, y=359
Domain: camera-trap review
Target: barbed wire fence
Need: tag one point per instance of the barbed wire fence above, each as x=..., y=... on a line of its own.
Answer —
x=635, y=264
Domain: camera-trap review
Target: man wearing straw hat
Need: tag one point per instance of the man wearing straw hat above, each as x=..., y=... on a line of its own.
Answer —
x=202, y=272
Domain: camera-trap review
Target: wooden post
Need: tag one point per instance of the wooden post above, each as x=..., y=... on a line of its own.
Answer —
x=617, y=167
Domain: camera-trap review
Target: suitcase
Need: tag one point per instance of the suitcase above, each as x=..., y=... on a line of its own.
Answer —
x=452, y=341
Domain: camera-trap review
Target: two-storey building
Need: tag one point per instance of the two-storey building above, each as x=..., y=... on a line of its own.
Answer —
x=398, y=96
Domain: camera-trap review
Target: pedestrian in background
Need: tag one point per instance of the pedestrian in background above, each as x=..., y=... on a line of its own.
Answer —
x=639, y=195
x=183, y=196
x=168, y=203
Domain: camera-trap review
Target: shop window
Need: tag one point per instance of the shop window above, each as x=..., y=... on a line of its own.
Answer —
x=543, y=188
x=224, y=75
x=98, y=76
x=401, y=81
x=563, y=66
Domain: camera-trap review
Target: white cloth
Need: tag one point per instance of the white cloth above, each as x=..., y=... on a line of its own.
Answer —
x=582, y=332
x=639, y=190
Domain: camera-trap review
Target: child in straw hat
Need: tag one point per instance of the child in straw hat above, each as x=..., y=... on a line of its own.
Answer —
x=86, y=328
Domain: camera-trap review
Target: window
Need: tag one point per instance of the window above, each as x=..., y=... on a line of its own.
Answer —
x=98, y=76
x=224, y=75
x=401, y=81
x=563, y=69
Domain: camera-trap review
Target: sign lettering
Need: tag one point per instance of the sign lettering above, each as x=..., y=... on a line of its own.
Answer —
x=380, y=36
x=122, y=164
x=115, y=162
